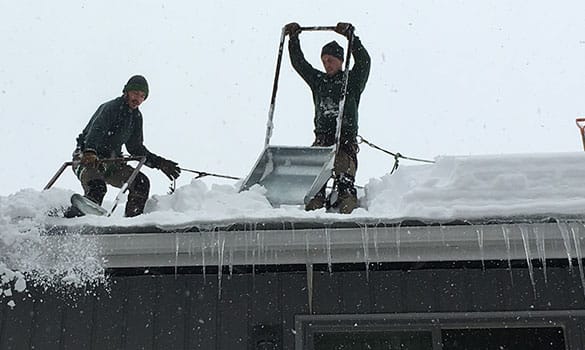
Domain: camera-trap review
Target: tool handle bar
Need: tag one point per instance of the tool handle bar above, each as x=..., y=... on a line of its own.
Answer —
x=105, y=160
x=316, y=28
x=580, y=123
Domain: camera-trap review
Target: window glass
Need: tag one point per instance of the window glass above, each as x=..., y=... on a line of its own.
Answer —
x=503, y=338
x=394, y=340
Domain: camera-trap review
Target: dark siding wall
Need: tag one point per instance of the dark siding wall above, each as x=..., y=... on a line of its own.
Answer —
x=186, y=311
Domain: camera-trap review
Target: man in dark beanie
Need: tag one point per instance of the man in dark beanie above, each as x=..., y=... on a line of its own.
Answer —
x=116, y=123
x=327, y=94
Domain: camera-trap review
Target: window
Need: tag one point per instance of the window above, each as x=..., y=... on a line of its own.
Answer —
x=544, y=330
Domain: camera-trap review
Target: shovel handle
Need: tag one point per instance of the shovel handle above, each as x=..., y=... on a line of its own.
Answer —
x=317, y=28
x=581, y=125
x=105, y=160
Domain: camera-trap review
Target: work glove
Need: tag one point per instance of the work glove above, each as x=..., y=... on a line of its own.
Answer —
x=169, y=168
x=345, y=29
x=89, y=159
x=292, y=29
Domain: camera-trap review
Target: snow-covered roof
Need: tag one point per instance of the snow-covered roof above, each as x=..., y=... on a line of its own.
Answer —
x=460, y=208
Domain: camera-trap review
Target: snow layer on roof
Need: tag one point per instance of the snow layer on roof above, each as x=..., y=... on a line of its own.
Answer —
x=454, y=187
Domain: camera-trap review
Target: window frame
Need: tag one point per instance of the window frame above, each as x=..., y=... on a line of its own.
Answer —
x=571, y=321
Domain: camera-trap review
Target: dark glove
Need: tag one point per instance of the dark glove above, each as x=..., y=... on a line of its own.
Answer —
x=170, y=168
x=345, y=29
x=89, y=159
x=292, y=29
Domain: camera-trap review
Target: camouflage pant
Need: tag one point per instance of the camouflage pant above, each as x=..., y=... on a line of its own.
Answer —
x=346, y=157
x=345, y=164
x=94, y=180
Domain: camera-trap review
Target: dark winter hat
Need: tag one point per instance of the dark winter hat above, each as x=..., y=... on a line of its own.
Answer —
x=137, y=83
x=333, y=49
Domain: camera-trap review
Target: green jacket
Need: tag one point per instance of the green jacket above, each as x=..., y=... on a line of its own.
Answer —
x=115, y=124
x=327, y=90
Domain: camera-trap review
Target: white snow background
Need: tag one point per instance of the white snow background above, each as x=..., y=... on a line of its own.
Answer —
x=462, y=78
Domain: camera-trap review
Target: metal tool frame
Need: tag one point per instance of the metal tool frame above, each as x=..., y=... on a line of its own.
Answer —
x=327, y=169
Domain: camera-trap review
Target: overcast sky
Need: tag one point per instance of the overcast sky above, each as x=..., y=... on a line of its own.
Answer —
x=447, y=78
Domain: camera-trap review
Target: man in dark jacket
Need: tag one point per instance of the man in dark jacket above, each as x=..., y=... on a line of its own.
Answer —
x=327, y=94
x=116, y=123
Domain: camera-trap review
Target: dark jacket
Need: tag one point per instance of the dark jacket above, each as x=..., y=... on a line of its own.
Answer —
x=327, y=90
x=115, y=124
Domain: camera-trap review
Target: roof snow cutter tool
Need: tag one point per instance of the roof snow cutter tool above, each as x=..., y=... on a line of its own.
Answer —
x=581, y=125
x=292, y=175
x=86, y=205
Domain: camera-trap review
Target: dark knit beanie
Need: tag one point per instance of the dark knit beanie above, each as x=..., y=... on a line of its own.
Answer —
x=137, y=83
x=333, y=49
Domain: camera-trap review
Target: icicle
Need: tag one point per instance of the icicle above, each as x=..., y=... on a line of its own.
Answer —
x=397, y=232
x=220, y=252
x=231, y=262
x=328, y=245
x=526, y=242
x=247, y=248
x=480, y=243
x=365, y=244
x=203, y=260
x=567, y=241
x=506, y=235
x=310, y=286
x=176, y=253
x=376, y=243
x=577, y=241
x=540, y=247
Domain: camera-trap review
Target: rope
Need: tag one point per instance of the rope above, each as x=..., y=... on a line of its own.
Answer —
x=201, y=174
x=396, y=155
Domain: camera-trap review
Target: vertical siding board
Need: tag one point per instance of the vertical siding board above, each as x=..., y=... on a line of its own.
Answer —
x=387, y=291
x=17, y=326
x=326, y=293
x=419, y=292
x=233, y=312
x=265, y=311
x=140, y=312
x=78, y=323
x=295, y=301
x=48, y=312
x=3, y=315
x=170, y=314
x=201, y=304
x=562, y=289
x=110, y=316
x=521, y=293
x=452, y=290
x=491, y=289
x=355, y=291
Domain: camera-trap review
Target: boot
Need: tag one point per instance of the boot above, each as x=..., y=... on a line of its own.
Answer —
x=134, y=206
x=72, y=212
x=347, y=201
x=347, y=197
x=137, y=196
x=96, y=191
x=316, y=202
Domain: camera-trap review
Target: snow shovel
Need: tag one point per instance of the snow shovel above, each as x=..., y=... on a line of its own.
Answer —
x=89, y=207
x=292, y=175
x=581, y=125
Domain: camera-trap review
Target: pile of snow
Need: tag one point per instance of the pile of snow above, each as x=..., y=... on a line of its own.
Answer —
x=451, y=188
x=483, y=186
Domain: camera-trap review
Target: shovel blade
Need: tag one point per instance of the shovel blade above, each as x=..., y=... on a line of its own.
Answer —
x=86, y=206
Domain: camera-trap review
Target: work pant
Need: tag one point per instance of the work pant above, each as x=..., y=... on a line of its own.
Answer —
x=345, y=164
x=94, y=180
